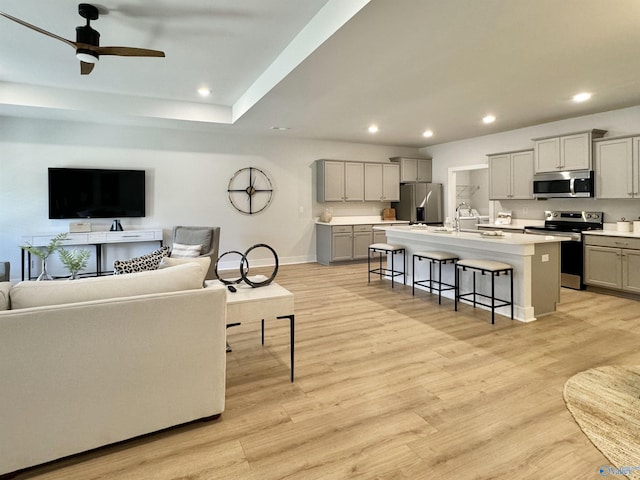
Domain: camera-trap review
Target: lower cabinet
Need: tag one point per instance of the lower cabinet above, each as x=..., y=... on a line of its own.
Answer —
x=362, y=236
x=612, y=262
x=340, y=243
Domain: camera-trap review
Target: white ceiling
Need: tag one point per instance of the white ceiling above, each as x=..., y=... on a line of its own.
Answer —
x=327, y=69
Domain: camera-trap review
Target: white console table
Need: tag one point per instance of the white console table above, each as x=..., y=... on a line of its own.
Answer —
x=98, y=239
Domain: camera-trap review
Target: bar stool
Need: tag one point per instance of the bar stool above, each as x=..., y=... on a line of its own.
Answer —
x=441, y=258
x=484, y=267
x=386, y=248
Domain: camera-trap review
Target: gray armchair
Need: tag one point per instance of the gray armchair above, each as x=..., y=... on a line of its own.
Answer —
x=207, y=237
x=5, y=269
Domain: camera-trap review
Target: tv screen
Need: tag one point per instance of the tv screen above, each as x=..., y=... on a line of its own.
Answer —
x=94, y=193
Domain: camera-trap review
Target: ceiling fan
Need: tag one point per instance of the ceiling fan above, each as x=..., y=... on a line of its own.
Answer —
x=87, y=44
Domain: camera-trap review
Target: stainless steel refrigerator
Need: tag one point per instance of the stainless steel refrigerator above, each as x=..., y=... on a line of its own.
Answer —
x=420, y=203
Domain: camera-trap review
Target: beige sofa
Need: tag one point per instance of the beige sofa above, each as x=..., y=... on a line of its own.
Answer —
x=90, y=362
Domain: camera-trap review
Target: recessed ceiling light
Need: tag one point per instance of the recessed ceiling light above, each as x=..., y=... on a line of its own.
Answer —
x=280, y=129
x=581, y=97
x=427, y=133
x=488, y=119
x=373, y=128
x=204, y=91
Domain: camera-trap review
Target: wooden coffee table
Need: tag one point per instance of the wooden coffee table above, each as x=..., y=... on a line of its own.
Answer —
x=249, y=304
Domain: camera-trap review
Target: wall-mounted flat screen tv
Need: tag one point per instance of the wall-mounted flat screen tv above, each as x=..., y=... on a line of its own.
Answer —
x=96, y=193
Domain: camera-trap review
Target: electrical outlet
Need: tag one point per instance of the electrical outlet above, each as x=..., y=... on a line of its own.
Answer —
x=545, y=257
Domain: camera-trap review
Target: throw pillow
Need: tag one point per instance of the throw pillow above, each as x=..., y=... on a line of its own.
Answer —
x=140, y=264
x=185, y=251
x=194, y=236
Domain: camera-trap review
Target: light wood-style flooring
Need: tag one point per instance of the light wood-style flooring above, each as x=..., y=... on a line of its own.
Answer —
x=388, y=386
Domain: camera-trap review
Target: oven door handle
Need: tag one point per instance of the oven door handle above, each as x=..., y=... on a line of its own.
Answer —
x=572, y=186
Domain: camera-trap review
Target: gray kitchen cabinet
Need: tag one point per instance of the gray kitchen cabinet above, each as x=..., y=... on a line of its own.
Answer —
x=617, y=167
x=341, y=243
x=602, y=266
x=565, y=152
x=341, y=246
x=362, y=236
x=414, y=169
x=511, y=175
x=612, y=262
x=339, y=181
x=382, y=182
x=631, y=270
x=380, y=236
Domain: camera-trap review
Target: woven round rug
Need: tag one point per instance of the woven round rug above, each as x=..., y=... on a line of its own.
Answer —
x=605, y=403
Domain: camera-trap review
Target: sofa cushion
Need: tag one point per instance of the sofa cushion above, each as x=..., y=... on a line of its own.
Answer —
x=36, y=294
x=5, y=287
x=146, y=262
x=204, y=263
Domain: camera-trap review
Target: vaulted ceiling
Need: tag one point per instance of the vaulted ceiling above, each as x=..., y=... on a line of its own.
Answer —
x=328, y=69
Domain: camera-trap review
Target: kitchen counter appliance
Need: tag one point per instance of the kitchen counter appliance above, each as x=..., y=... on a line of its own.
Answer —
x=569, y=224
x=570, y=184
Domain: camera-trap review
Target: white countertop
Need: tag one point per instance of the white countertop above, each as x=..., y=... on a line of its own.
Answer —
x=360, y=220
x=612, y=233
x=508, y=238
x=516, y=224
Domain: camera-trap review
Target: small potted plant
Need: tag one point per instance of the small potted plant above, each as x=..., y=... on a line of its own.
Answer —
x=45, y=252
x=75, y=260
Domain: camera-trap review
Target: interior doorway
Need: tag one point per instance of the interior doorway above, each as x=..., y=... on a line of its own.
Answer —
x=470, y=184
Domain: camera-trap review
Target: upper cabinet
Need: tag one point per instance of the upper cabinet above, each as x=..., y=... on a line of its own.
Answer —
x=382, y=182
x=414, y=169
x=565, y=152
x=339, y=181
x=511, y=175
x=344, y=181
x=617, y=167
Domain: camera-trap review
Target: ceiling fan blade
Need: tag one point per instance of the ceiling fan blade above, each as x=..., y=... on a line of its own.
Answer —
x=38, y=29
x=86, y=68
x=127, y=51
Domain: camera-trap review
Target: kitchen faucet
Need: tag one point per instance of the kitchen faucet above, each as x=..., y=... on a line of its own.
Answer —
x=457, y=218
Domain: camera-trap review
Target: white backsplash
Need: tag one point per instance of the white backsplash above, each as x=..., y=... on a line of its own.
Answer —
x=613, y=210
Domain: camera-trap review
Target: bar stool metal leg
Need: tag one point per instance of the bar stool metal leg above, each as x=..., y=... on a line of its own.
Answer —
x=413, y=270
x=393, y=269
x=493, y=297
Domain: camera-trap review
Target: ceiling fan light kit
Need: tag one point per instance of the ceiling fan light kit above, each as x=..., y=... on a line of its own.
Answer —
x=87, y=44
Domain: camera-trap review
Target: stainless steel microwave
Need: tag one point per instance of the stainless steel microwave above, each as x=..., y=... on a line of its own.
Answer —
x=577, y=183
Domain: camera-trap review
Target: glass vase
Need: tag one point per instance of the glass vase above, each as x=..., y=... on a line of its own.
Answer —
x=44, y=275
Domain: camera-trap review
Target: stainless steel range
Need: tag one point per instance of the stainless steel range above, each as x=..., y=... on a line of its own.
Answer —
x=571, y=225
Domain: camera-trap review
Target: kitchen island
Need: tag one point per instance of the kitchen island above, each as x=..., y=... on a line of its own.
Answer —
x=535, y=260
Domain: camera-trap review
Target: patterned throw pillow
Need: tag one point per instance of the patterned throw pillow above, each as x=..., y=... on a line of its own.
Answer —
x=140, y=264
x=181, y=250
